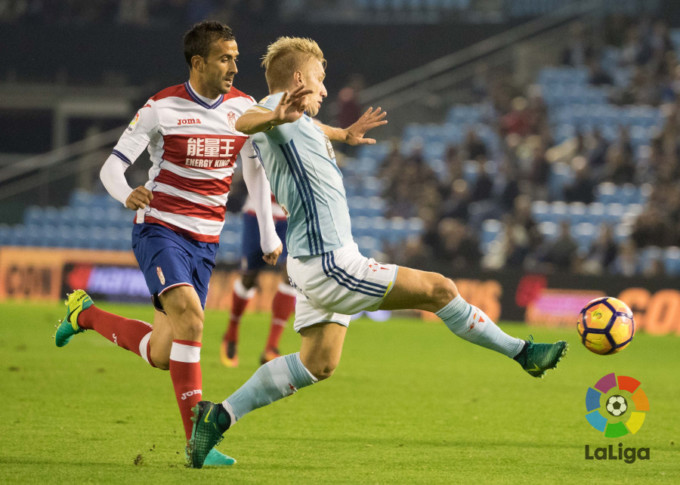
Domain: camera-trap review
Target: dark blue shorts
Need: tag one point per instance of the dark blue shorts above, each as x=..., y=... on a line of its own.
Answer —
x=250, y=248
x=168, y=259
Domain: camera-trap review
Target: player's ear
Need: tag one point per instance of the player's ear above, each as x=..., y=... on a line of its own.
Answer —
x=297, y=78
x=197, y=63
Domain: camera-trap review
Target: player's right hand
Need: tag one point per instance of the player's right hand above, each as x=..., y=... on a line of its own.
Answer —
x=139, y=198
x=273, y=257
x=291, y=106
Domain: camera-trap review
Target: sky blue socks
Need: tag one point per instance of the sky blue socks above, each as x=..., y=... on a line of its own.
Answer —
x=472, y=324
x=277, y=378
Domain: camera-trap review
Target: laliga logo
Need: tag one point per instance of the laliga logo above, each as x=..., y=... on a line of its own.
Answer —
x=617, y=401
x=616, y=406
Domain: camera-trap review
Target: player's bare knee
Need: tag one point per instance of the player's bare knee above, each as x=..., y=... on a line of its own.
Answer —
x=322, y=371
x=160, y=362
x=444, y=290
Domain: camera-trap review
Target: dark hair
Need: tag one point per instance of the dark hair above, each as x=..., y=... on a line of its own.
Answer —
x=197, y=41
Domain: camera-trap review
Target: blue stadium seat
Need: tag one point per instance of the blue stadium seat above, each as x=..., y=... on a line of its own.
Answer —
x=5, y=234
x=622, y=232
x=361, y=226
x=671, y=260
x=416, y=226
x=398, y=229
x=584, y=234
x=595, y=212
x=559, y=211
x=540, y=210
x=548, y=229
x=33, y=215
x=491, y=230
x=606, y=193
x=369, y=246
x=577, y=213
x=613, y=213
x=649, y=256
x=80, y=198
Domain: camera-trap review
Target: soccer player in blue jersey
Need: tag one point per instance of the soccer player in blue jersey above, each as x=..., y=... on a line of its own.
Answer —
x=332, y=278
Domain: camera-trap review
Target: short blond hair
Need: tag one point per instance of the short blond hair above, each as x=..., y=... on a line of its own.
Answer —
x=287, y=55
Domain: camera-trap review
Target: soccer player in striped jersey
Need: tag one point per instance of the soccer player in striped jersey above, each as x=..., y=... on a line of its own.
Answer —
x=190, y=133
x=332, y=278
x=252, y=263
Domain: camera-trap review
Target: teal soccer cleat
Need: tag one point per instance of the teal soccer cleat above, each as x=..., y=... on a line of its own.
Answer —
x=214, y=458
x=76, y=302
x=538, y=358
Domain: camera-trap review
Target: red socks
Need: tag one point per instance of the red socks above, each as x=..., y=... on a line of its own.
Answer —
x=185, y=372
x=282, y=306
x=240, y=299
x=124, y=332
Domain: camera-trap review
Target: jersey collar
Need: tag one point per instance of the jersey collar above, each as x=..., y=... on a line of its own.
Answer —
x=202, y=100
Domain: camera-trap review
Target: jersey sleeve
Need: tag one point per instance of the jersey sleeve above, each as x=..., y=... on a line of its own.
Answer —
x=138, y=134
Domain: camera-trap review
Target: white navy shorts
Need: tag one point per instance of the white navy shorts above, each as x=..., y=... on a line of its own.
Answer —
x=338, y=284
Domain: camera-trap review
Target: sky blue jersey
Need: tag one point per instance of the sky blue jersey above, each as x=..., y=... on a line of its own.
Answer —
x=304, y=176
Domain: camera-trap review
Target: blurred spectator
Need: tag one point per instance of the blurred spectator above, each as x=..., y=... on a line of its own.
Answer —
x=579, y=47
x=512, y=248
x=603, y=252
x=597, y=76
x=455, y=245
x=518, y=120
x=348, y=107
x=597, y=147
x=483, y=185
x=652, y=228
x=582, y=187
x=634, y=51
x=626, y=262
x=619, y=168
x=456, y=203
x=539, y=171
x=561, y=251
x=473, y=146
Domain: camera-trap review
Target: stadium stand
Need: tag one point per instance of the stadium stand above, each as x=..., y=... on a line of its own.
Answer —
x=589, y=148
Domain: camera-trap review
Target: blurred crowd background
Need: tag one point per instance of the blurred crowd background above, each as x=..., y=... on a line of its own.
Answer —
x=554, y=151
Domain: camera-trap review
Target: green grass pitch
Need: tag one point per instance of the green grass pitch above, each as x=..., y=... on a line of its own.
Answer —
x=409, y=403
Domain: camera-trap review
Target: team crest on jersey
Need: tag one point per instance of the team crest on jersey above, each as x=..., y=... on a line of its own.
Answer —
x=231, y=120
x=329, y=147
x=161, y=276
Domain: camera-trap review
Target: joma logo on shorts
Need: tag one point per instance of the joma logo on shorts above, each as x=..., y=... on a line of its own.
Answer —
x=187, y=394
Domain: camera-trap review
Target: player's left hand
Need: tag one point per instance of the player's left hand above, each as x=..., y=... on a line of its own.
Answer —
x=273, y=257
x=372, y=118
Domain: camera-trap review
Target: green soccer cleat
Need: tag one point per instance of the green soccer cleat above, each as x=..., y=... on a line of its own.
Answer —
x=538, y=358
x=215, y=458
x=205, y=434
x=76, y=302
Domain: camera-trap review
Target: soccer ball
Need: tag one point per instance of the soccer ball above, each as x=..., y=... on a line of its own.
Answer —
x=606, y=325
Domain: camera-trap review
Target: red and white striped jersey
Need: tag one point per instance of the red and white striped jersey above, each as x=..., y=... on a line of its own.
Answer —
x=193, y=147
x=277, y=211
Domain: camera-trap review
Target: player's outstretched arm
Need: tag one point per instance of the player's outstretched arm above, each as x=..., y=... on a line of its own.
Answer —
x=288, y=110
x=260, y=193
x=354, y=134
